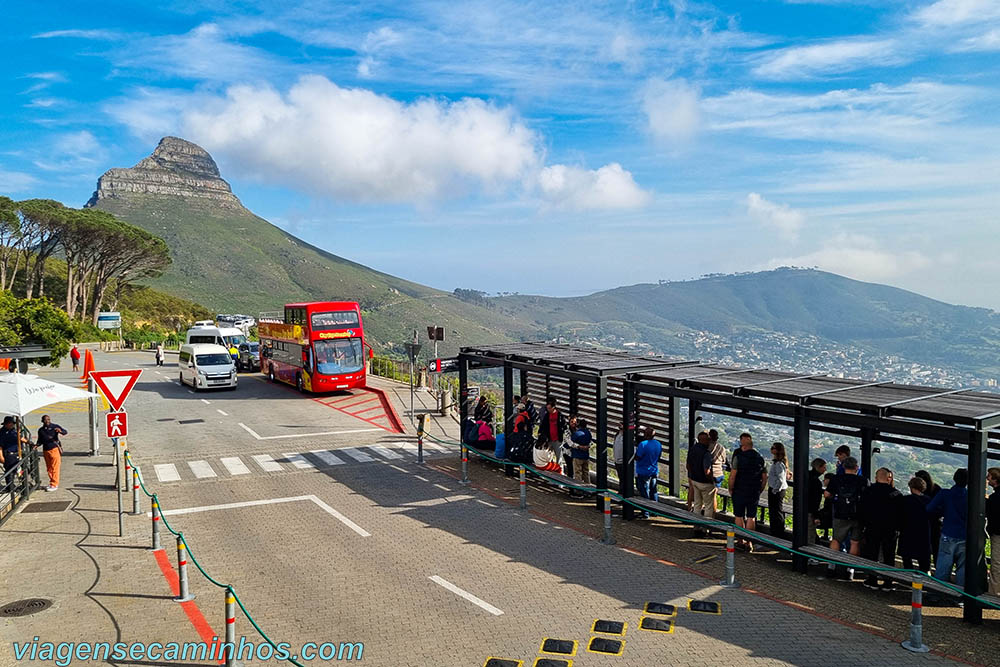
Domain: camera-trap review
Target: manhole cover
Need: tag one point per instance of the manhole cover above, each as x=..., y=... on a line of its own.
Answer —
x=609, y=627
x=54, y=506
x=25, y=607
x=661, y=609
x=558, y=646
x=704, y=607
x=656, y=624
x=607, y=646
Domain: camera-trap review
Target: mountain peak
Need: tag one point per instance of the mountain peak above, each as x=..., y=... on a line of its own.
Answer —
x=177, y=167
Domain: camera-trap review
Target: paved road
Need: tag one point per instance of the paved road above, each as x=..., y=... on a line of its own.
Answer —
x=365, y=545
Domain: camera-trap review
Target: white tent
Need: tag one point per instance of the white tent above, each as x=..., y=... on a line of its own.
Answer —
x=21, y=394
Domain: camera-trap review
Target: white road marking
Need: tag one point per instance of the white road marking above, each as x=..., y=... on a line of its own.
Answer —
x=205, y=402
x=303, y=435
x=224, y=414
x=399, y=469
x=483, y=502
x=385, y=451
x=166, y=472
x=326, y=457
x=235, y=466
x=297, y=460
x=431, y=502
x=267, y=463
x=544, y=523
x=201, y=469
x=442, y=487
x=356, y=453
x=422, y=479
x=408, y=447
x=274, y=501
x=444, y=583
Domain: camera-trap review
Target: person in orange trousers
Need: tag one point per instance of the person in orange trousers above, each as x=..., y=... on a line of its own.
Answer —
x=48, y=438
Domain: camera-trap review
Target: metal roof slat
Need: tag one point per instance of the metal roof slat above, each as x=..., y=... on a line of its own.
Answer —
x=847, y=388
x=914, y=399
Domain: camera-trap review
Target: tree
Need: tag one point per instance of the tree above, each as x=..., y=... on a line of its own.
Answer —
x=127, y=253
x=41, y=224
x=24, y=321
x=10, y=239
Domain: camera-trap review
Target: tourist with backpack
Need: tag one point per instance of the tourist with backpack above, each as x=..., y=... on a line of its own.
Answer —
x=701, y=484
x=647, y=465
x=519, y=447
x=845, y=490
x=747, y=481
x=880, y=518
x=580, y=438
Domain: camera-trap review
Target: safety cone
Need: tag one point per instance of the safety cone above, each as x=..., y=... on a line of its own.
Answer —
x=88, y=365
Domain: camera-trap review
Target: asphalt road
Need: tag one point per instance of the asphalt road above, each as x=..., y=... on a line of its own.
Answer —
x=331, y=531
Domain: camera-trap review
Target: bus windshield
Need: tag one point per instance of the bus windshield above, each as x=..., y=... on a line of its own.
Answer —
x=334, y=357
x=236, y=340
x=341, y=319
x=214, y=359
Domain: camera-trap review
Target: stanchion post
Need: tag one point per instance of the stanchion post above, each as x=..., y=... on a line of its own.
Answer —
x=230, y=646
x=135, y=491
x=420, y=438
x=730, y=580
x=182, y=571
x=120, y=486
x=524, y=488
x=465, y=467
x=95, y=444
x=156, y=525
x=915, y=643
x=608, y=537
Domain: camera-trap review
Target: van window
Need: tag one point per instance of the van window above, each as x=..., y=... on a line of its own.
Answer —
x=183, y=357
x=203, y=338
x=214, y=359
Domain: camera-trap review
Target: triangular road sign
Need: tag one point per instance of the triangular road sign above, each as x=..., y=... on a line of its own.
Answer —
x=115, y=385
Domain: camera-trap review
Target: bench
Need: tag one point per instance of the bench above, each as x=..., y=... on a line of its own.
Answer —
x=558, y=479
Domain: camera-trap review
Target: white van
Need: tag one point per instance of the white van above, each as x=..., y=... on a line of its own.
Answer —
x=225, y=336
x=206, y=366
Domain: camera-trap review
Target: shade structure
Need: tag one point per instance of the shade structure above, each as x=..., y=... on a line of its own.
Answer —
x=21, y=394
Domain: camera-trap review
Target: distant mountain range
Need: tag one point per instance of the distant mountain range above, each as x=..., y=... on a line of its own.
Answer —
x=229, y=259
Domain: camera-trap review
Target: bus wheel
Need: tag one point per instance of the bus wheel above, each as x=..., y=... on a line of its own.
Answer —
x=270, y=373
x=300, y=384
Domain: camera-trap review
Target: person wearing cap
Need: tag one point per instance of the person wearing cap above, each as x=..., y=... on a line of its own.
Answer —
x=10, y=441
x=48, y=438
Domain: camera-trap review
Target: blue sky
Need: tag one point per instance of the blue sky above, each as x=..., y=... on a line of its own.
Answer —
x=542, y=147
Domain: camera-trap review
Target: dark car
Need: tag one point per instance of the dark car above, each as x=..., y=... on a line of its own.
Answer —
x=249, y=357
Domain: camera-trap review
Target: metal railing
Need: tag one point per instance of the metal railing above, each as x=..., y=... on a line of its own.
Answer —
x=18, y=483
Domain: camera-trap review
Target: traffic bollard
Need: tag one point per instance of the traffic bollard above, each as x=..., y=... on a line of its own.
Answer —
x=916, y=641
x=156, y=526
x=421, y=420
x=524, y=489
x=182, y=571
x=730, y=580
x=230, y=646
x=608, y=537
x=135, y=491
x=465, y=467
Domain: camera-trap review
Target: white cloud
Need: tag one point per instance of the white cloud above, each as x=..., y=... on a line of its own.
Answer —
x=860, y=257
x=781, y=217
x=831, y=57
x=101, y=35
x=376, y=43
x=43, y=102
x=609, y=187
x=956, y=12
x=988, y=41
x=15, y=181
x=47, y=76
x=72, y=151
x=672, y=109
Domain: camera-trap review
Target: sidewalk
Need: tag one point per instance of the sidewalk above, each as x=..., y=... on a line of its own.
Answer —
x=766, y=572
x=102, y=587
x=424, y=403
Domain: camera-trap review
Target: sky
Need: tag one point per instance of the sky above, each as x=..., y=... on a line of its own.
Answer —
x=545, y=147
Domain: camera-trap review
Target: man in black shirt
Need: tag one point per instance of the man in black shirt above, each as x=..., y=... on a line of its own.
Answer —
x=880, y=516
x=747, y=481
x=816, y=471
x=845, y=491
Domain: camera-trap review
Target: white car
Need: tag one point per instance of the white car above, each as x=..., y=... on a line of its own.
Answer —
x=204, y=366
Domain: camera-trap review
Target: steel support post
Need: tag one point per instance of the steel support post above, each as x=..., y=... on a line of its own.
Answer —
x=230, y=646
x=867, y=437
x=508, y=410
x=800, y=501
x=119, y=488
x=182, y=572
x=523, y=380
x=602, y=441
x=574, y=396
x=975, y=527
x=674, y=446
x=156, y=525
x=626, y=478
x=135, y=491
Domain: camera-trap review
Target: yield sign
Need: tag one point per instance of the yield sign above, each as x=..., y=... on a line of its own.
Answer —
x=115, y=385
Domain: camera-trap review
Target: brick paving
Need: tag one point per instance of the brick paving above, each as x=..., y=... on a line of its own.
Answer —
x=306, y=576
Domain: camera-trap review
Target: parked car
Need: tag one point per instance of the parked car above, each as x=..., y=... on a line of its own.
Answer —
x=249, y=357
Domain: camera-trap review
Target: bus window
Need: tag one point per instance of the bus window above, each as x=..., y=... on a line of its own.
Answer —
x=335, y=357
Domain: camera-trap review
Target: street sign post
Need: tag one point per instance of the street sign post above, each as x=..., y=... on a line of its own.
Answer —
x=117, y=423
x=110, y=319
x=412, y=350
x=443, y=365
x=115, y=385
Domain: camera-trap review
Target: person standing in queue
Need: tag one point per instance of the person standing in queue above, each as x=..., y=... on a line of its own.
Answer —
x=48, y=438
x=647, y=465
x=747, y=481
x=10, y=456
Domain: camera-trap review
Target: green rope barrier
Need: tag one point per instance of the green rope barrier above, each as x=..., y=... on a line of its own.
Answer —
x=720, y=525
x=198, y=565
x=258, y=629
x=138, y=476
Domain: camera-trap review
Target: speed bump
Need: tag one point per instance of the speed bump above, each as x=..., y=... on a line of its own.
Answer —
x=704, y=607
x=552, y=662
x=660, y=609
x=558, y=646
x=656, y=624
x=609, y=627
x=606, y=646
x=502, y=662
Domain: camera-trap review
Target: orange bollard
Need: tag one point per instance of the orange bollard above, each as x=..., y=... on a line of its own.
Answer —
x=88, y=365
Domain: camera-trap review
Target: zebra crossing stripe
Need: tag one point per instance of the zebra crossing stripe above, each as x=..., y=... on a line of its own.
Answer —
x=166, y=472
x=435, y=446
x=408, y=447
x=297, y=460
x=326, y=457
x=201, y=469
x=357, y=454
x=385, y=451
x=267, y=463
x=235, y=466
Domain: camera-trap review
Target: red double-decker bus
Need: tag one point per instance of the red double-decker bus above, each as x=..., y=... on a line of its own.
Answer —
x=316, y=347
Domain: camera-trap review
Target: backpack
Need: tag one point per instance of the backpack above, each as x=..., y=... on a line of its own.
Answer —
x=749, y=467
x=848, y=497
x=470, y=432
